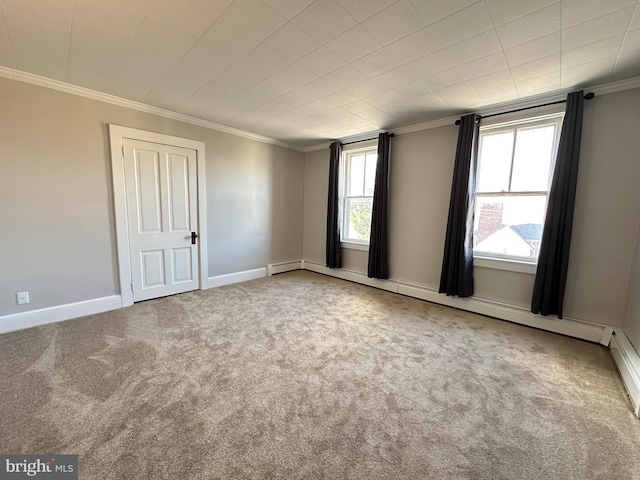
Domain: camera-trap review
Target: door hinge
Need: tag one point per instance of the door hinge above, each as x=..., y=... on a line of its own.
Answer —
x=122, y=151
x=131, y=287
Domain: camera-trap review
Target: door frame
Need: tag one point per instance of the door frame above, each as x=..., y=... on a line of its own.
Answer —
x=117, y=135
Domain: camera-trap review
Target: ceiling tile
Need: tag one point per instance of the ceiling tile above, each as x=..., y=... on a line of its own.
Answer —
x=466, y=102
x=631, y=41
x=499, y=94
x=93, y=65
x=484, y=65
x=254, y=18
x=106, y=29
x=322, y=61
x=219, y=48
x=627, y=65
x=366, y=89
x=324, y=20
x=287, y=79
x=444, y=79
x=358, y=106
x=505, y=11
x=318, y=89
x=363, y=9
x=534, y=50
x=536, y=68
x=635, y=21
x=530, y=27
x=377, y=62
x=474, y=48
x=6, y=53
x=587, y=73
x=456, y=28
x=292, y=42
x=374, y=115
x=397, y=76
x=37, y=47
x=346, y=77
x=409, y=90
x=451, y=92
x=179, y=17
x=353, y=44
x=433, y=10
x=257, y=65
x=56, y=14
x=430, y=64
x=592, y=52
x=539, y=84
x=600, y=28
x=342, y=98
x=493, y=80
x=394, y=22
x=578, y=11
x=288, y=8
x=216, y=7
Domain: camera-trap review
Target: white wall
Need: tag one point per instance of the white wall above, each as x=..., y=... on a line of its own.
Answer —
x=57, y=236
x=420, y=175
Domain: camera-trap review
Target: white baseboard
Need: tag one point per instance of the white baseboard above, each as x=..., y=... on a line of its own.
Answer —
x=236, y=277
x=59, y=313
x=628, y=362
x=570, y=327
x=281, y=267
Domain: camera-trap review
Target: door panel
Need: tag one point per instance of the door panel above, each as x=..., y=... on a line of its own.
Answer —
x=179, y=213
x=152, y=264
x=147, y=175
x=161, y=182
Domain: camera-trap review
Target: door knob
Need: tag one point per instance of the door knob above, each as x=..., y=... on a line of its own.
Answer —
x=194, y=235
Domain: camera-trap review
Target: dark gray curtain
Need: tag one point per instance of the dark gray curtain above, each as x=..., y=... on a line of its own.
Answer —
x=457, y=264
x=553, y=261
x=379, y=238
x=334, y=254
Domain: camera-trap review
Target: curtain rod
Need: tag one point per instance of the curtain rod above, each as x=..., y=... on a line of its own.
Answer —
x=587, y=96
x=366, y=140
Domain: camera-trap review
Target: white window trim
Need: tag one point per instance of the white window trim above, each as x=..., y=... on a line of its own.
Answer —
x=510, y=262
x=351, y=244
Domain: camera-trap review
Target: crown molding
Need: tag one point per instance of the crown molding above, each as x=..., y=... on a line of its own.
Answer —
x=602, y=89
x=21, y=76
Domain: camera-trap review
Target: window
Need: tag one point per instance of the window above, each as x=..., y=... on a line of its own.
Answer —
x=515, y=167
x=359, y=167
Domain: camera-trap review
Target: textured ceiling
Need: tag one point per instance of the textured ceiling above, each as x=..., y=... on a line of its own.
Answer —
x=305, y=71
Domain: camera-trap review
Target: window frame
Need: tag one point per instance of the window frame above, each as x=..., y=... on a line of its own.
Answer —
x=368, y=147
x=515, y=262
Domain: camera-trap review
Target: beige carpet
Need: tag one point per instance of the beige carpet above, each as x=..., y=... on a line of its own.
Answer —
x=301, y=376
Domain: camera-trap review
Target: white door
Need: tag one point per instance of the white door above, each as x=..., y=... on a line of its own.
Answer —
x=162, y=208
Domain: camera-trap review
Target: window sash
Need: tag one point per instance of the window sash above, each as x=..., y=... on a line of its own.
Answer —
x=515, y=127
x=347, y=199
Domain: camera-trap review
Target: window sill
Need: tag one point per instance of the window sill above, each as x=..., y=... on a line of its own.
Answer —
x=502, y=264
x=355, y=246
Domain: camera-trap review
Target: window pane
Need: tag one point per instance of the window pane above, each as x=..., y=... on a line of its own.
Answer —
x=356, y=175
x=495, y=162
x=358, y=218
x=370, y=173
x=533, y=159
x=509, y=225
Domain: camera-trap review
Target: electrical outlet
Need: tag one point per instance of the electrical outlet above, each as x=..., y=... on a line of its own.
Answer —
x=23, y=297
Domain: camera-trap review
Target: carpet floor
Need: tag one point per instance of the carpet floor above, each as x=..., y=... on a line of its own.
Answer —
x=302, y=376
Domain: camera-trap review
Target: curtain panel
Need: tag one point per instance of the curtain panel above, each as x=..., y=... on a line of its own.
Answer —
x=379, y=238
x=553, y=261
x=457, y=265
x=334, y=253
